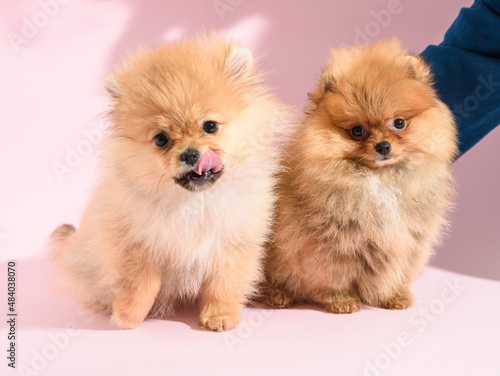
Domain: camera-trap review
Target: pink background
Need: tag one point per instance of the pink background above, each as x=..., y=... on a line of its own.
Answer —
x=51, y=97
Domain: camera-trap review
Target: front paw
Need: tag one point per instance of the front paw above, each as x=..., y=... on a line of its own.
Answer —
x=279, y=299
x=125, y=321
x=126, y=317
x=220, y=323
x=398, y=302
x=343, y=306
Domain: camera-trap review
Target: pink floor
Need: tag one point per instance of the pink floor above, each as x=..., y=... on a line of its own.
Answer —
x=54, y=56
x=452, y=330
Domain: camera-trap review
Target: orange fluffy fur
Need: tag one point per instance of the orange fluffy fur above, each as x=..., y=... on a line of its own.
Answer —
x=354, y=227
x=145, y=243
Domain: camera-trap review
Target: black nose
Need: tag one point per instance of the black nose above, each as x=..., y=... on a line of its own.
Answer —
x=383, y=148
x=190, y=157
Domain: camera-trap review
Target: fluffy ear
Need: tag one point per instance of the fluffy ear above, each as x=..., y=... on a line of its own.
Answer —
x=417, y=68
x=328, y=81
x=327, y=84
x=239, y=62
x=339, y=62
x=112, y=88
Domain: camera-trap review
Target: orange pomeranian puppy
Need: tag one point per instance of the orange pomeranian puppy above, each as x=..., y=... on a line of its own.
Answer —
x=368, y=177
x=185, y=198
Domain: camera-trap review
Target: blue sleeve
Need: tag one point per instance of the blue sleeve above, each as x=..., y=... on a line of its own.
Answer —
x=466, y=67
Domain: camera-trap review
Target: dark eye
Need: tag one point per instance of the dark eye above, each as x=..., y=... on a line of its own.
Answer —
x=399, y=123
x=210, y=127
x=358, y=131
x=162, y=140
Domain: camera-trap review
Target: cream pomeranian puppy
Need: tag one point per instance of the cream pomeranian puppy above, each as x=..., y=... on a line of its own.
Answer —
x=367, y=179
x=184, y=201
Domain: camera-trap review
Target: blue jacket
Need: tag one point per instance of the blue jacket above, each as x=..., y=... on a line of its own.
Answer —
x=466, y=67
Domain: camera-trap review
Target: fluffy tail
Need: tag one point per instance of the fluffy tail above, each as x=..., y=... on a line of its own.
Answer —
x=59, y=238
x=62, y=232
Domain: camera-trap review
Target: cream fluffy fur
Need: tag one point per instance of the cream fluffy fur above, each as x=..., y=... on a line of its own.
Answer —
x=145, y=243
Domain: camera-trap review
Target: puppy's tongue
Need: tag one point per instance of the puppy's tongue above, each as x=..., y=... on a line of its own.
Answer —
x=210, y=161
